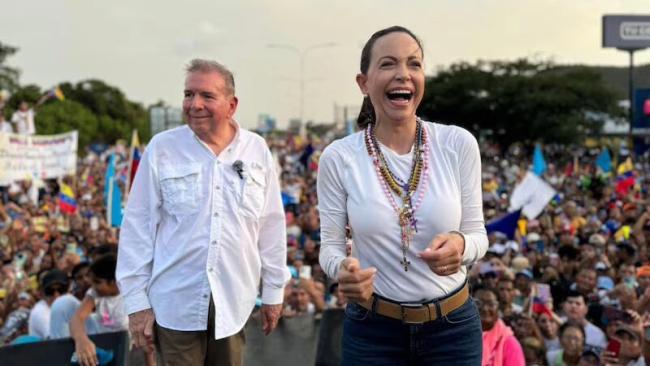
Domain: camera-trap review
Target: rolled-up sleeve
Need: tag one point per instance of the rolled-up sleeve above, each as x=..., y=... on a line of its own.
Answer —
x=332, y=207
x=472, y=223
x=138, y=235
x=273, y=240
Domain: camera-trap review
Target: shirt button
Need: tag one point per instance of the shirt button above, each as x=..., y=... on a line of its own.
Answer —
x=211, y=269
x=216, y=214
x=214, y=242
x=205, y=296
x=217, y=187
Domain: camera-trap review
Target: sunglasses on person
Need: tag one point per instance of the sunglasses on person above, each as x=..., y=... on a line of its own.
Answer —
x=50, y=291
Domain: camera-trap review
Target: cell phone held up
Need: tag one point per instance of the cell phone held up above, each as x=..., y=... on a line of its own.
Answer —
x=613, y=348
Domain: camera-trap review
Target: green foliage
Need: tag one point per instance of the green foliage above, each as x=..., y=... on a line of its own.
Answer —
x=29, y=93
x=519, y=101
x=117, y=116
x=100, y=112
x=65, y=116
x=8, y=75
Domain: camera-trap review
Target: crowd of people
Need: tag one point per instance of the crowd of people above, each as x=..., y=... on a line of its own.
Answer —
x=572, y=286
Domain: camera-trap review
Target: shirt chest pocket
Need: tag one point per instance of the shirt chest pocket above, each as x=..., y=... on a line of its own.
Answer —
x=179, y=186
x=250, y=192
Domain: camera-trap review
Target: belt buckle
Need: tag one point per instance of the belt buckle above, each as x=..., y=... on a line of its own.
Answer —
x=403, y=308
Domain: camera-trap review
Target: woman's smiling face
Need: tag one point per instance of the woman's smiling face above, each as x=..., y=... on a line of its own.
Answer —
x=395, y=78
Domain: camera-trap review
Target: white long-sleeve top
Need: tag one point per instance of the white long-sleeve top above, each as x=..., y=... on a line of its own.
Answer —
x=194, y=227
x=350, y=191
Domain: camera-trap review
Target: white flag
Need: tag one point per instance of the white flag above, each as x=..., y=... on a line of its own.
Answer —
x=531, y=195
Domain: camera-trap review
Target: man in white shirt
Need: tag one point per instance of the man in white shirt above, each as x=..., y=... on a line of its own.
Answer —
x=23, y=120
x=203, y=224
x=575, y=309
x=53, y=284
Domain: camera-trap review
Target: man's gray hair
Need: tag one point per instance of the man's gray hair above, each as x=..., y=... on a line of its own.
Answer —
x=200, y=65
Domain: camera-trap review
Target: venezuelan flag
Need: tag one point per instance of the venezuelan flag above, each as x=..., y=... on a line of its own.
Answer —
x=67, y=202
x=625, y=177
x=56, y=92
x=134, y=160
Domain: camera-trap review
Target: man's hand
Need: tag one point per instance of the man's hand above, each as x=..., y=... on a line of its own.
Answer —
x=270, y=316
x=141, y=329
x=356, y=284
x=444, y=254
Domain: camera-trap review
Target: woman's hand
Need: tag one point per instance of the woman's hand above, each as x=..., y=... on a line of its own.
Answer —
x=445, y=253
x=356, y=283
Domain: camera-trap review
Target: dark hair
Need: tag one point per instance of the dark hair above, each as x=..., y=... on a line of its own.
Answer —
x=367, y=113
x=570, y=324
x=79, y=267
x=483, y=288
x=575, y=293
x=103, y=249
x=104, y=267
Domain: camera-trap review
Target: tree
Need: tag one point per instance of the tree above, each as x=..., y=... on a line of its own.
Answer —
x=520, y=101
x=65, y=116
x=8, y=75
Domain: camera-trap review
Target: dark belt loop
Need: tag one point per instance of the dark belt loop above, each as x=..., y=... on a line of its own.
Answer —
x=438, y=310
x=373, y=306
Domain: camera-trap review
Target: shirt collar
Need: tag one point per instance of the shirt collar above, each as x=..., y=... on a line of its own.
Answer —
x=232, y=145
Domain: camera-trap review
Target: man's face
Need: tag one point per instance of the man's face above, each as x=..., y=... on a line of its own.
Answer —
x=586, y=281
x=506, y=292
x=630, y=346
x=522, y=283
x=82, y=279
x=104, y=287
x=575, y=308
x=587, y=251
x=207, y=102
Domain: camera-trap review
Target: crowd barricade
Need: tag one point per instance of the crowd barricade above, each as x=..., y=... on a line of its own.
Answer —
x=300, y=340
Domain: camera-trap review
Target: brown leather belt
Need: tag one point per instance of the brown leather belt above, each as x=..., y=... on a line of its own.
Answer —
x=417, y=314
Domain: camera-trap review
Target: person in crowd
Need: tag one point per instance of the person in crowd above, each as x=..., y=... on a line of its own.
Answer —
x=549, y=326
x=53, y=284
x=203, y=225
x=64, y=306
x=572, y=341
x=506, y=290
x=414, y=225
x=101, y=311
x=500, y=347
x=23, y=119
x=575, y=310
x=534, y=351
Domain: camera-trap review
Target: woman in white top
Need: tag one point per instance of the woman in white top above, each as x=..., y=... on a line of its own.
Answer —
x=411, y=192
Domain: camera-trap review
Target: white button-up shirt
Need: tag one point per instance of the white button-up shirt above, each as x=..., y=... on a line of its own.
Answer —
x=194, y=227
x=349, y=191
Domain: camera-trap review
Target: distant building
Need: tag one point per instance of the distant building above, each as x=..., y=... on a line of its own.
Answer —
x=164, y=118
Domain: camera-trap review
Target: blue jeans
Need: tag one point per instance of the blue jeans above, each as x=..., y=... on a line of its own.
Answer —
x=373, y=339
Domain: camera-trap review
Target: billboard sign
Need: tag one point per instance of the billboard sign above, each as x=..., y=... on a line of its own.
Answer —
x=626, y=32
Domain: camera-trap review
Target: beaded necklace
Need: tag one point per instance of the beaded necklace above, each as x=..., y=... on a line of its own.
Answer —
x=390, y=183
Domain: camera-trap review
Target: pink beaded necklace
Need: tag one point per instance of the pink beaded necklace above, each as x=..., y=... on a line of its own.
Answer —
x=389, y=185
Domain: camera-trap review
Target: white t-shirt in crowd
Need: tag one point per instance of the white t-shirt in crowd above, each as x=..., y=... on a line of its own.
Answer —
x=39, y=320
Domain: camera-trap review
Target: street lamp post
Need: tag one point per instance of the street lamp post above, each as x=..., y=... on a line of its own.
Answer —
x=302, y=54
